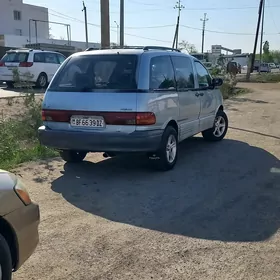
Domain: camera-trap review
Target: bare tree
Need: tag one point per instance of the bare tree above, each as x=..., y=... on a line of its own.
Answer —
x=185, y=45
x=51, y=36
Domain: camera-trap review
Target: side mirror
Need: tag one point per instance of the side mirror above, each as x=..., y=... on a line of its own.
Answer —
x=217, y=82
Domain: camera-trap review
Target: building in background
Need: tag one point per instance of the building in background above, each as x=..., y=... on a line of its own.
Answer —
x=18, y=28
x=15, y=17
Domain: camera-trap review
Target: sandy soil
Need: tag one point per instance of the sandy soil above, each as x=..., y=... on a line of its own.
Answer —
x=215, y=216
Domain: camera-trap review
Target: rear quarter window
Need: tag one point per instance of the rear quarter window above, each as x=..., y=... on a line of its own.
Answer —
x=114, y=72
x=15, y=57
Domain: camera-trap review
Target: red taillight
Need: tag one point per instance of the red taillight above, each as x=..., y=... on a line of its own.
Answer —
x=55, y=115
x=111, y=118
x=2, y=63
x=145, y=118
x=25, y=64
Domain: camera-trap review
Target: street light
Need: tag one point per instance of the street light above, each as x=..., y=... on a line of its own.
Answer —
x=117, y=32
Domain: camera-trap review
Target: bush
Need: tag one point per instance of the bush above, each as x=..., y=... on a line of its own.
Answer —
x=262, y=78
x=18, y=138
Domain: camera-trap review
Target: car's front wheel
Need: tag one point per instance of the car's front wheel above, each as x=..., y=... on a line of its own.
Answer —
x=72, y=156
x=219, y=129
x=5, y=260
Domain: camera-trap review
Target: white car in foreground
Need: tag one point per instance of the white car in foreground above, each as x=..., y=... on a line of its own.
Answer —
x=35, y=66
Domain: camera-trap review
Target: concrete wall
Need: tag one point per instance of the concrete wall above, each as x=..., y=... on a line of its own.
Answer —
x=10, y=26
x=14, y=41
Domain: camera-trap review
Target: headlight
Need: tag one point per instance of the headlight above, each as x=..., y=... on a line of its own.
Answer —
x=22, y=192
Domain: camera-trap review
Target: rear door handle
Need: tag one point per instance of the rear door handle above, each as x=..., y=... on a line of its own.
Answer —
x=197, y=94
x=201, y=94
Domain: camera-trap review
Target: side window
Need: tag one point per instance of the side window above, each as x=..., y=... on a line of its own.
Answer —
x=203, y=77
x=61, y=58
x=39, y=57
x=161, y=73
x=51, y=58
x=183, y=72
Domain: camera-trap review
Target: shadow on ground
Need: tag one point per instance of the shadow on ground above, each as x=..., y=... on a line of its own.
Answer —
x=227, y=191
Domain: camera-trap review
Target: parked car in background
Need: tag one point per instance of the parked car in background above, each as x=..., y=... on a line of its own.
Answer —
x=272, y=65
x=35, y=66
x=256, y=65
x=265, y=68
x=129, y=100
x=19, y=220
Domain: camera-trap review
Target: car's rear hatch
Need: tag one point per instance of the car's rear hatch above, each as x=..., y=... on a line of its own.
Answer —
x=12, y=60
x=94, y=92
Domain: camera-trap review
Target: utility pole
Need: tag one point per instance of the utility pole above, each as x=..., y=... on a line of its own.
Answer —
x=118, y=38
x=178, y=6
x=261, y=44
x=121, y=23
x=86, y=24
x=250, y=69
x=105, y=24
x=203, y=31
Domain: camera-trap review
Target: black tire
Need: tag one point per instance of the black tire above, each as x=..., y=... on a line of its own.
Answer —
x=10, y=84
x=5, y=260
x=160, y=157
x=210, y=134
x=42, y=81
x=72, y=156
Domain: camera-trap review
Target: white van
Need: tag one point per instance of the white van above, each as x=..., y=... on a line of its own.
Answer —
x=36, y=66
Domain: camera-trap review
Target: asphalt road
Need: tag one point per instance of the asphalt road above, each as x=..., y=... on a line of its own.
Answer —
x=215, y=216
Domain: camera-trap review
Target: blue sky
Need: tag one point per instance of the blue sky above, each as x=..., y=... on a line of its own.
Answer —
x=153, y=22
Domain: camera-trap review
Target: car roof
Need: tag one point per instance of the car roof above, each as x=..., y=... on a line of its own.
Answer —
x=132, y=51
x=29, y=51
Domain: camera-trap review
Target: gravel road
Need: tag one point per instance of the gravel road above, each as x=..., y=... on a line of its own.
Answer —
x=215, y=216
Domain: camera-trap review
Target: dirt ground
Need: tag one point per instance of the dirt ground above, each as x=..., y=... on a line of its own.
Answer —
x=215, y=216
x=13, y=107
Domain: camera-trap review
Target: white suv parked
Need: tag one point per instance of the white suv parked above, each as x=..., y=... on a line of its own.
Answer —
x=36, y=66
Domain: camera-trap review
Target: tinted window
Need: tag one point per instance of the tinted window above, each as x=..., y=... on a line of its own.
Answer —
x=39, y=57
x=51, y=58
x=183, y=72
x=61, y=58
x=97, y=73
x=15, y=57
x=161, y=73
x=203, y=77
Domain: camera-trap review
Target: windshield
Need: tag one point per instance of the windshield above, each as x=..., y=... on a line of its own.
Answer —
x=97, y=73
x=15, y=57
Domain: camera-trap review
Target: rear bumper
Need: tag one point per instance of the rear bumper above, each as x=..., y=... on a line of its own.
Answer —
x=25, y=222
x=138, y=141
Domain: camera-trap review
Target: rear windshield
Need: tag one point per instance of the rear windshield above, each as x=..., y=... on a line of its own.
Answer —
x=15, y=57
x=97, y=73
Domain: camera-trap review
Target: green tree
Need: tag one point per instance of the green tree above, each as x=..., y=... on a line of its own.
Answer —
x=266, y=48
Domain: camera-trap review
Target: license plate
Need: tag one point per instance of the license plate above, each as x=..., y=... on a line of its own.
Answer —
x=87, y=121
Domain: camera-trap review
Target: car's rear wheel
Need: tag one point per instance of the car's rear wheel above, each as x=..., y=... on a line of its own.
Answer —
x=72, y=156
x=42, y=81
x=166, y=156
x=219, y=129
x=5, y=260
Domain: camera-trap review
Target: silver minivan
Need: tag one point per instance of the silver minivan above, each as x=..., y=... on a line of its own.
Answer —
x=142, y=99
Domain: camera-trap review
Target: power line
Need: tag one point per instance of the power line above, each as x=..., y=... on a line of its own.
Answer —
x=167, y=9
x=272, y=17
x=222, y=32
x=63, y=16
